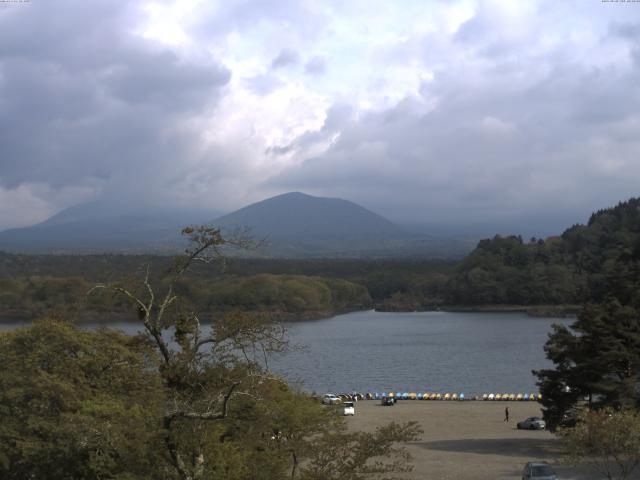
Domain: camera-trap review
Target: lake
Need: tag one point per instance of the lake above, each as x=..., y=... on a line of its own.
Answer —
x=474, y=353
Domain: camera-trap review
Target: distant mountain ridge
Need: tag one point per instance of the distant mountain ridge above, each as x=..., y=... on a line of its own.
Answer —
x=101, y=227
x=300, y=225
x=295, y=225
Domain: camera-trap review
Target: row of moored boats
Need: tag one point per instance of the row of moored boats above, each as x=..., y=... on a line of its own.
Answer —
x=512, y=396
x=441, y=396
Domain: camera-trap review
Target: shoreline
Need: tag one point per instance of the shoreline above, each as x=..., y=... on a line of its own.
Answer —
x=546, y=311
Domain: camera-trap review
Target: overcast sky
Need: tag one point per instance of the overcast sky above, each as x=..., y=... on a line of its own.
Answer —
x=450, y=111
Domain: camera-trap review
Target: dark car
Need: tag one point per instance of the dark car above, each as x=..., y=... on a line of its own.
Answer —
x=387, y=401
x=538, y=471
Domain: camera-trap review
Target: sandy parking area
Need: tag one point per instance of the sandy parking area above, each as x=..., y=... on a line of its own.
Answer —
x=469, y=440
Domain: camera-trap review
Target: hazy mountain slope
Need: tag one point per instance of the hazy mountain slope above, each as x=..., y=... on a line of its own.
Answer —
x=300, y=225
x=296, y=225
x=100, y=227
x=304, y=217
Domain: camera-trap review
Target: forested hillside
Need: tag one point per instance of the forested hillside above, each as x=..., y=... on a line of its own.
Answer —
x=576, y=267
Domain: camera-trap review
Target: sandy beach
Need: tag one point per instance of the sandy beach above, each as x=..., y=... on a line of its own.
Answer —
x=469, y=440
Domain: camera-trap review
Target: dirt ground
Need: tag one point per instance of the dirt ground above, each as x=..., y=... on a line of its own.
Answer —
x=469, y=440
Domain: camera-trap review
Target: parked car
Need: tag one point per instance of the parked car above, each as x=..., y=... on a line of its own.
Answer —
x=538, y=471
x=532, y=423
x=387, y=401
x=330, y=399
x=349, y=408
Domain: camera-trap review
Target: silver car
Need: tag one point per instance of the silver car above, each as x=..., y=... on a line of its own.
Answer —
x=330, y=399
x=532, y=423
x=538, y=471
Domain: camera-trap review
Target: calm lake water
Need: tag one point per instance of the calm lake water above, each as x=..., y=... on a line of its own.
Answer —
x=474, y=353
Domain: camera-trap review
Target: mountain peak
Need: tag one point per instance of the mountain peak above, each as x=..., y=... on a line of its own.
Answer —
x=299, y=216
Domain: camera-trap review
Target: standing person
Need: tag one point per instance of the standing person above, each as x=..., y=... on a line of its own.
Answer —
x=506, y=414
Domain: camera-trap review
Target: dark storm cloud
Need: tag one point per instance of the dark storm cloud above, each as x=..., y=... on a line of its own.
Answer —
x=85, y=100
x=161, y=79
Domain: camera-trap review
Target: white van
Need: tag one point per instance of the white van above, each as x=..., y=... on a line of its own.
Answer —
x=349, y=408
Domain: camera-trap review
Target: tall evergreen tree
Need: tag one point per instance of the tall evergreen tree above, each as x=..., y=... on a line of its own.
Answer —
x=597, y=359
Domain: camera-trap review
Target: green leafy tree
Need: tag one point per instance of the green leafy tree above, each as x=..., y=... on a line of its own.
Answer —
x=361, y=455
x=77, y=405
x=202, y=370
x=608, y=440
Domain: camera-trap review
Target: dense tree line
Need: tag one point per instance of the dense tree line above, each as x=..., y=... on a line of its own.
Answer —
x=31, y=285
x=574, y=268
x=506, y=270
x=285, y=294
x=289, y=293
